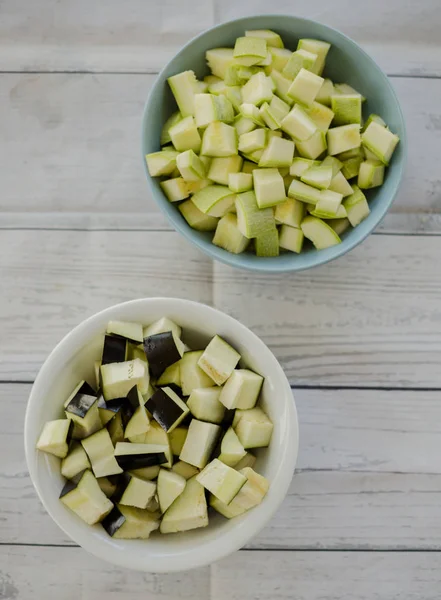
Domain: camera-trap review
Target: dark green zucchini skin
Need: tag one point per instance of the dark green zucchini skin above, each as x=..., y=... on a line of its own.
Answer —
x=128, y=462
x=161, y=352
x=114, y=520
x=164, y=410
x=114, y=349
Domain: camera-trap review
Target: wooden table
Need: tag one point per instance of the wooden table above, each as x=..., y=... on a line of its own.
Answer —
x=360, y=338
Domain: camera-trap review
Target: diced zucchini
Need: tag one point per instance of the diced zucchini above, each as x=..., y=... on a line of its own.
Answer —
x=172, y=120
x=190, y=166
x=300, y=165
x=318, y=176
x=282, y=86
x=319, y=232
x=334, y=163
x=280, y=57
x=347, y=108
x=75, y=462
x=343, y=138
x=99, y=449
x=345, y=89
x=291, y=212
x=300, y=59
x=218, y=60
x=327, y=214
x=340, y=185
x=228, y=235
x=303, y=192
x=328, y=204
x=272, y=39
x=204, y=404
x=356, y=206
x=219, y=139
x=242, y=389
x=185, y=470
x=240, y=182
x=257, y=90
x=85, y=498
x=253, y=140
x=269, y=187
x=251, y=112
x=278, y=153
x=196, y=218
x=175, y=189
x=318, y=47
x=380, y=141
x=177, y=438
x=188, y=511
x=218, y=360
x=250, y=50
x=209, y=108
x=269, y=117
x=161, y=163
x=221, y=480
x=339, y=225
x=321, y=115
x=214, y=200
x=279, y=108
x=291, y=238
x=200, y=442
x=233, y=94
x=371, y=174
x=314, y=147
x=298, y=125
x=192, y=376
x=376, y=118
x=325, y=93
x=55, y=437
x=130, y=523
x=305, y=87
x=221, y=168
x=137, y=492
x=267, y=244
x=251, y=220
x=243, y=124
x=185, y=135
x=196, y=186
x=184, y=87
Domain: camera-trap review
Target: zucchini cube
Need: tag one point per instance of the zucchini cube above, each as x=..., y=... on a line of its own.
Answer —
x=269, y=187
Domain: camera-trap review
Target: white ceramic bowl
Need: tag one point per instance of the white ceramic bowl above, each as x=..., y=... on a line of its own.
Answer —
x=73, y=359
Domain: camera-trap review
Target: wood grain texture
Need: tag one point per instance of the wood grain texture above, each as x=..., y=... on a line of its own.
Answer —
x=136, y=36
x=29, y=573
x=356, y=321
x=71, y=144
x=369, y=474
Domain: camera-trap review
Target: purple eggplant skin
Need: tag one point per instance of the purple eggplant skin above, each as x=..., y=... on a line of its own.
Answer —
x=120, y=405
x=71, y=484
x=161, y=352
x=114, y=520
x=114, y=349
x=128, y=462
x=81, y=403
x=177, y=390
x=163, y=408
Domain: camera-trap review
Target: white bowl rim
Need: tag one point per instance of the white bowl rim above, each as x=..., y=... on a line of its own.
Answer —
x=211, y=551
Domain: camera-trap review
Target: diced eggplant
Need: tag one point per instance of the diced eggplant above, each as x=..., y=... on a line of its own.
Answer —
x=161, y=326
x=99, y=449
x=218, y=360
x=232, y=450
x=130, y=523
x=204, y=404
x=221, y=480
x=119, y=378
x=97, y=367
x=192, y=376
x=108, y=485
x=187, y=471
x=75, y=462
x=139, y=424
x=114, y=350
x=241, y=389
x=55, y=437
x=147, y=473
x=177, y=439
x=249, y=460
x=171, y=377
x=127, y=330
x=135, y=456
x=85, y=498
x=135, y=491
x=250, y=495
x=188, y=511
x=253, y=427
x=156, y=435
x=200, y=442
x=167, y=408
x=162, y=350
x=83, y=411
x=82, y=388
x=170, y=486
x=135, y=397
x=105, y=413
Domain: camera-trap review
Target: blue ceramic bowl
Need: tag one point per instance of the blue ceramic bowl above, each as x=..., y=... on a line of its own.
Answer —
x=346, y=62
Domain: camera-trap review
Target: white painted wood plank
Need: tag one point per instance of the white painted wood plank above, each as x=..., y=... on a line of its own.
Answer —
x=369, y=474
x=356, y=321
x=326, y=576
x=143, y=36
x=71, y=143
x=28, y=573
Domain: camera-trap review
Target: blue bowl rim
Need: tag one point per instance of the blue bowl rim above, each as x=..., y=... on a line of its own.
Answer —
x=269, y=265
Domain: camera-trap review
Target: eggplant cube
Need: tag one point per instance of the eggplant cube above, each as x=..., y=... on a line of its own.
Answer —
x=170, y=486
x=138, y=424
x=253, y=428
x=130, y=331
x=54, y=438
x=250, y=495
x=184, y=469
x=177, y=439
x=204, y=404
x=162, y=350
x=199, y=443
x=119, y=378
x=85, y=498
x=130, y=523
x=218, y=360
x=242, y=389
x=83, y=411
x=138, y=492
x=114, y=349
x=221, y=480
x=136, y=456
x=75, y=462
x=188, y=511
x=167, y=408
x=99, y=449
x=192, y=376
x=231, y=451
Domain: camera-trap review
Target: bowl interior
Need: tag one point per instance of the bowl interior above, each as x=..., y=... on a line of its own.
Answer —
x=73, y=359
x=346, y=62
